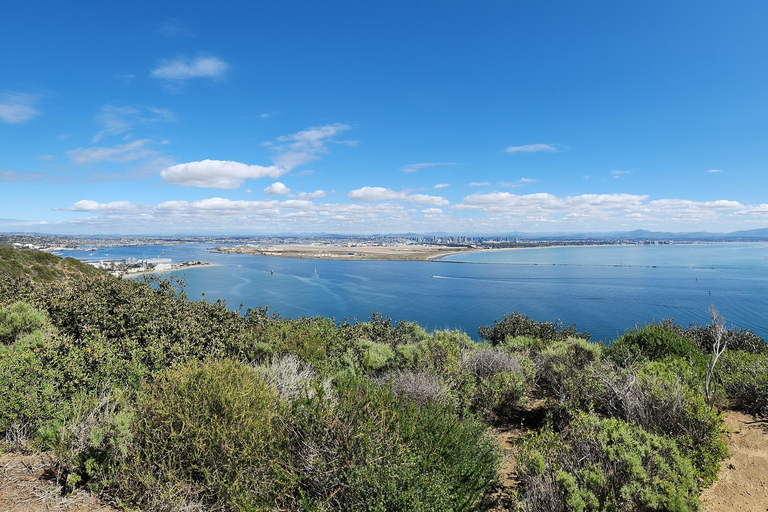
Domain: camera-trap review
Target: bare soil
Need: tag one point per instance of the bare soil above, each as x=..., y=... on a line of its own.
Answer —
x=28, y=485
x=742, y=484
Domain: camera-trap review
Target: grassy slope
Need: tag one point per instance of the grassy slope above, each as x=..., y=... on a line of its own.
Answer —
x=41, y=266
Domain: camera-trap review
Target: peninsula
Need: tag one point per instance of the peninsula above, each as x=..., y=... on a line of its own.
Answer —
x=362, y=252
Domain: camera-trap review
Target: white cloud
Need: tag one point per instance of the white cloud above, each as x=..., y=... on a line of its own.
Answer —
x=277, y=188
x=497, y=211
x=217, y=173
x=426, y=200
x=265, y=115
x=375, y=194
x=120, y=153
x=618, y=174
x=441, y=185
x=44, y=157
x=17, y=107
x=760, y=210
x=479, y=184
x=312, y=195
x=370, y=194
x=712, y=171
x=86, y=205
x=307, y=145
x=185, y=68
x=417, y=167
x=532, y=148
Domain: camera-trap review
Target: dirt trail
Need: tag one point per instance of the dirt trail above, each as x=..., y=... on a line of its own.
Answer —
x=26, y=486
x=742, y=484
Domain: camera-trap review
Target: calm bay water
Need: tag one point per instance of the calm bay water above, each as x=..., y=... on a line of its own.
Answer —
x=604, y=290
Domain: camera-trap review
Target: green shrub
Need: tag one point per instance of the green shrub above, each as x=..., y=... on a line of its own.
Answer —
x=604, y=464
x=655, y=396
x=375, y=451
x=207, y=434
x=654, y=342
x=566, y=371
x=90, y=437
x=744, y=377
x=20, y=319
x=518, y=324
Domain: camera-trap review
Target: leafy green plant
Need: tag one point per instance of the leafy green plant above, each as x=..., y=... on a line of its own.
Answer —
x=518, y=324
x=208, y=433
x=744, y=376
x=604, y=464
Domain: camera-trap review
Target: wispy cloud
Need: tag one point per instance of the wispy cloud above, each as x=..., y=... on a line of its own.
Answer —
x=480, y=184
x=441, y=185
x=618, y=174
x=417, y=167
x=17, y=107
x=307, y=145
x=713, y=171
x=291, y=151
x=185, y=68
x=117, y=120
x=44, y=157
x=174, y=28
x=516, y=184
x=217, y=173
x=532, y=148
x=121, y=153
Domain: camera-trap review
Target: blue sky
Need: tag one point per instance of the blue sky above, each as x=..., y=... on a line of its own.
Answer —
x=383, y=117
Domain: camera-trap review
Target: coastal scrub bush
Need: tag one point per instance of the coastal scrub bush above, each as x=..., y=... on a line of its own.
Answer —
x=518, y=324
x=495, y=382
x=568, y=372
x=604, y=464
x=89, y=437
x=207, y=433
x=28, y=393
x=654, y=342
x=421, y=387
x=656, y=397
x=374, y=450
x=20, y=319
x=744, y=377
x=702, y=336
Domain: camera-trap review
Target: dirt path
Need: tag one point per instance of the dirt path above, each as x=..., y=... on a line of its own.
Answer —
x=26, y=486
x=742, y=484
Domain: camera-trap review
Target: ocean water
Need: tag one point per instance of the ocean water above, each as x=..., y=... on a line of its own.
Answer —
x=604, y=290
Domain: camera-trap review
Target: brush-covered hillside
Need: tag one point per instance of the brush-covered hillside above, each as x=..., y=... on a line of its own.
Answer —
x=156, y=402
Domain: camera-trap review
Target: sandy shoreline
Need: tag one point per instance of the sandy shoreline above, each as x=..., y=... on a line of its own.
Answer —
x=404, y=252
x=347, y=253
x=177, y=269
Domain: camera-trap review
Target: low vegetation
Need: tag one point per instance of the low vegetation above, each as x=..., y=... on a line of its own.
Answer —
x=163, y=403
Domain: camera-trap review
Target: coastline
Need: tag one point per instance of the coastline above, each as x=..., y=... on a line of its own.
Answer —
x=175, y=269
x=404, y=252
